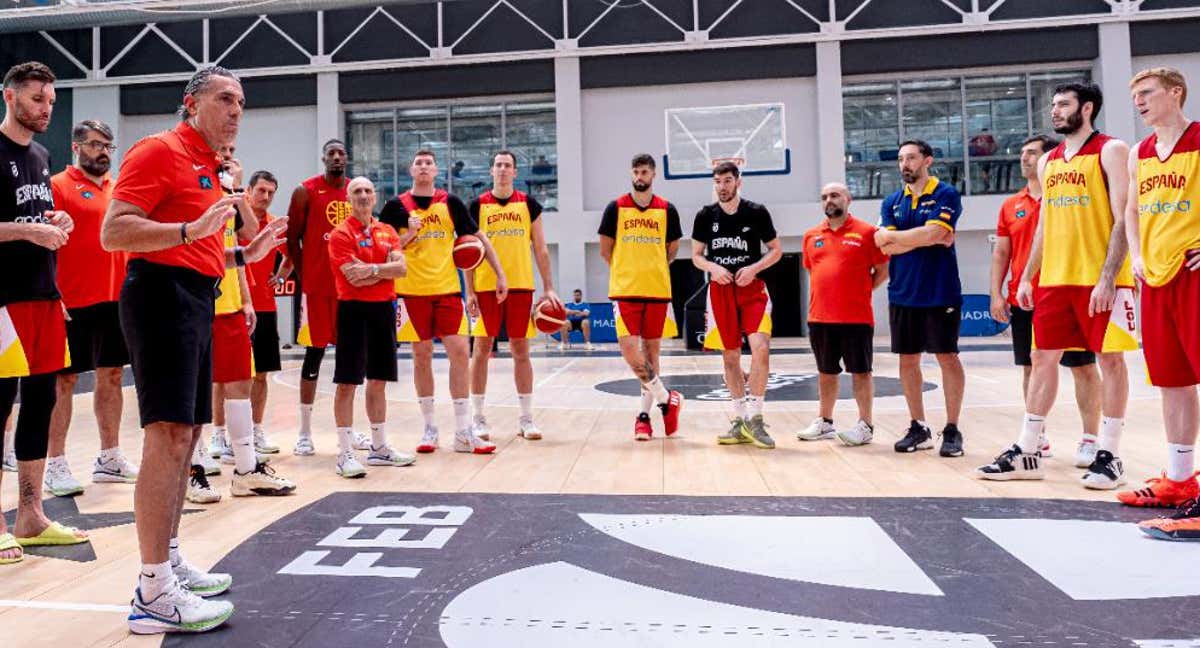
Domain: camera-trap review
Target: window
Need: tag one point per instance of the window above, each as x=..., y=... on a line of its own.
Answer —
x=975, y=125
x=463, y=137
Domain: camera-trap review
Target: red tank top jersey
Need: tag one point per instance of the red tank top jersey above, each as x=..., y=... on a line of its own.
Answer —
x=327, y=208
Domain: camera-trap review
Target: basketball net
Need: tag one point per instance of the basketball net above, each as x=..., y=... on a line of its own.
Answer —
x=739, y=161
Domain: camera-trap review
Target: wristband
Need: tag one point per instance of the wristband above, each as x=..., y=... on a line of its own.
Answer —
x=183, y=234
x=239, y=257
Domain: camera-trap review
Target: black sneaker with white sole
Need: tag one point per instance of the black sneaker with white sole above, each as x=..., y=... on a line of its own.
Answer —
x=919, y=437
x=1106, y=472
x=1012, y=464
x=952, y=441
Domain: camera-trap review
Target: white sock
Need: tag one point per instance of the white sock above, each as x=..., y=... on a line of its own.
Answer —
x=1181, y=461
x=258, y=428
x=198, y=454
x=220, y=430
x=1088, y=438
x=155, y=579
x=108, y=454
x=739, y=408
x=657, y=388
x=237, y=413
x=1110, y=434
x=754, y=405
x=306, y=420
x=173, y=552
x=345, y=439
x=1032, y=426
x=462, y=414
x=647, y=401
x=526, y=403
x=379, y=434
x=426, y=404
x=477, y=405
x=54, y=461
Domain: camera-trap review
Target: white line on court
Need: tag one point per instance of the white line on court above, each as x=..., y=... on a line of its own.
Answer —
x=61, y=605
x=554, y=374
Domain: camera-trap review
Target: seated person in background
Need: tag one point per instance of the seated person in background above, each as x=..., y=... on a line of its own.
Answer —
x=578, y=319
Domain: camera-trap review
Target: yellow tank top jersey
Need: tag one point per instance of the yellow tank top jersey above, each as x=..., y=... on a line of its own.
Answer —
x=509, y=228
x=1168, y=197
x=230, y=299
x=1077, y=218
x=640, y=267
x=430, y=257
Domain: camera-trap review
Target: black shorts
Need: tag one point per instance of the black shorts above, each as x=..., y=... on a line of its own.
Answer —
x=834, y=344
x=265, y=343
x=576, y=324
x=167, y=318
x=366, y=342
x=919, y=329
x=95, y=339
x=1021, y=322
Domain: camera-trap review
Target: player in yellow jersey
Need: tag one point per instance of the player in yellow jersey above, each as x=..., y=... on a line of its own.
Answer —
x=1164, y=243
x=510, y=221
x=1084, y=298
x=428, y=220
x=639, y=236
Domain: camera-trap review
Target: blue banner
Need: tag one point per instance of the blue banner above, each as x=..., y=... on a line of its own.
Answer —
x=604, y=327
x=977, y=317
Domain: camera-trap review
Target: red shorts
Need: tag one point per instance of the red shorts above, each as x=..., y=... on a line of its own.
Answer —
x=1170, y=331
x=734, y=311
x=33, y=338
x=318, y=321
x=1061, y=321
x=649, y=320
x=513, y=313
x=424, y=317
x=232, y=358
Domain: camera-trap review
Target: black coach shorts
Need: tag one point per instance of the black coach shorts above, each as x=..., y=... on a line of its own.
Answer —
x=167, y=319
x=265, y=343
x=918, y=329
x=835, y=344
x=1021, y=322
x=576, y=324
x=366, y=342
x=95, y=338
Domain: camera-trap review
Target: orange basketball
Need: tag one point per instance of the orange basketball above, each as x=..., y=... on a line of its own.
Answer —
x=549, y=318
x=468, y=252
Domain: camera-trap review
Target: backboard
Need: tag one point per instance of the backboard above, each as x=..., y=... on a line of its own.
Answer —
x=753, y=135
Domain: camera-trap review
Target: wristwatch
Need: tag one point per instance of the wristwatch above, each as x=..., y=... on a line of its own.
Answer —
x=374, y=269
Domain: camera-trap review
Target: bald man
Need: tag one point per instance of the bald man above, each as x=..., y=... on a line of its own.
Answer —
x=844, y=268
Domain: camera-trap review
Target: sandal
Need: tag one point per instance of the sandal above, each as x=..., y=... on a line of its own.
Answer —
x=53, y=535
x=7, y=541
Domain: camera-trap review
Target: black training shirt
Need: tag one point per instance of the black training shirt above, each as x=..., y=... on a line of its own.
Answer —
x=733, y=241
x=27, y=269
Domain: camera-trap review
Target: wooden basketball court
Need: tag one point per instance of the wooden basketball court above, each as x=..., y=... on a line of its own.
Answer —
x=517, y=502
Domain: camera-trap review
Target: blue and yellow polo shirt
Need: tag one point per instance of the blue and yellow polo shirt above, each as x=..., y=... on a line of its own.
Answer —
x=927, y=276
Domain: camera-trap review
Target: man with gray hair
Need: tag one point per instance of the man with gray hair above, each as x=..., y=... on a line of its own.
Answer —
x=169, y=212
x=89, y=278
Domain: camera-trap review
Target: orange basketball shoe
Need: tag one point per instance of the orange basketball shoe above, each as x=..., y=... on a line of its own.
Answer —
x=1184, y=524
x=642, y=431
x=1161, y=493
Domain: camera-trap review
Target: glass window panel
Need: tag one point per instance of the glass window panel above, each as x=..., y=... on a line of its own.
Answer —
x=370, y=145
x=997, y=124
x=422, y=128
x=1041, y=93
x=530, y=133
x=475, y=135
x=870, y=121
x=933, y=112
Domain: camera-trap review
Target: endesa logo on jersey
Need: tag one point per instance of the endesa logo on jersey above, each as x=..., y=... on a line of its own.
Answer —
x=1069, y=201
x=1164, y=207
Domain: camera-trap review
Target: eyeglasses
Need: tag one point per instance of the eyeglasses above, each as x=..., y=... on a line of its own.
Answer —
x=97, y=145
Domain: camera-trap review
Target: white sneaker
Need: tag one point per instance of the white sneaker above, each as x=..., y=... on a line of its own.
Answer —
x=481, y=428
x=1106, y=472
x=589, y=347
x=201, y=583
x=304, y=447
x=1085, y=454
x=228, y=458
x=1044, y=446
x=10, y=461
x=817, y=430
x=529, y=430
x=466, y=441
x=211, y=467
x=349, y=467
x=260, y=481
x=861, y=434
x=176, y=610
x=429, y=440
x=561, y=347
x=218, y=445
x=58, y=478
x=1012, y=464
x=360, y=441
x=117, y=470
x=199, y=491
x=262, y=444
x=389, y=456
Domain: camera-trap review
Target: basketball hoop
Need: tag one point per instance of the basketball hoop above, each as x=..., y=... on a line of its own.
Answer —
x=738, y=161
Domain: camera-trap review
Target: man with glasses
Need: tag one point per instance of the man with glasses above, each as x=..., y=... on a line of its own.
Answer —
x=89, y=278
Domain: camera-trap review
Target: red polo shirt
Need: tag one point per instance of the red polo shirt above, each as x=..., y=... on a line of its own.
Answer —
x=369, y=244
x=839, y=266
x=1018, y=221
x=172, y=176
x=262, y=291
x=87, y=273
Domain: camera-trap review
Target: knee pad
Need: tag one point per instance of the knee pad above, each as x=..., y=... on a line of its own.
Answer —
x=312, y=363
x=38, y=396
